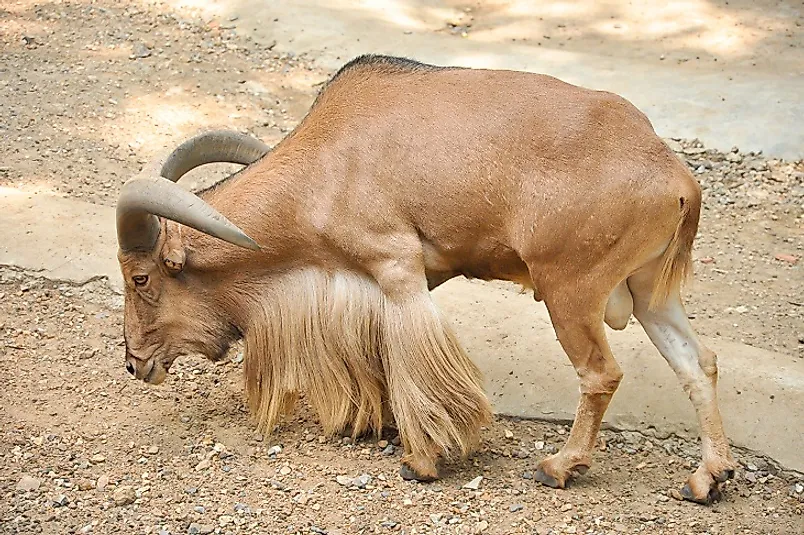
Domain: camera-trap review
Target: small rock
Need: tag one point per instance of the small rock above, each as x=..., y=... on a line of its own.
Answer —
x=203, y=465
x=102, y=482
x=200, y=529
x=139, y=50
x=60, y=501
x=382, y=444
x=436, y=518
x=691, y=151
x=516, y=507
x=344, y=480
x=474, y=484
x=153, y=450
x=790, y=259
x=675, y=494
x=97, y=459
x=285, y=470
x=242, y=508
x=274, y=450
x=481, y=526
x=124, y=496
x=199, y=509
x=539, y=445
x=362, y=481
x=527, y=475
x=707, y=260
x=84, y=484
x=225, y=520
x=390, y=449
x=509, y=434
x=674, y=145
x=734, y=157
x=28, y=483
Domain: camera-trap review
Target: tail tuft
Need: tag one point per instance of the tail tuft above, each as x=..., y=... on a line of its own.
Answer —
x=677, y=259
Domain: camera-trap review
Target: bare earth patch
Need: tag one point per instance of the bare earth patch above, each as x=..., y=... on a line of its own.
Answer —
x=184, y=457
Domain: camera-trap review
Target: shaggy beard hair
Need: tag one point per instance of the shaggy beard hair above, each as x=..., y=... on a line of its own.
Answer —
x=363, y=360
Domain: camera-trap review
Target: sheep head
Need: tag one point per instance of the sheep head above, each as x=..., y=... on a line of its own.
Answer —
x=169, y=308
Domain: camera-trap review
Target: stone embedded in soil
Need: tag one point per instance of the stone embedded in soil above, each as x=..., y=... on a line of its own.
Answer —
x=102, y=482
x=362, y=481
x=200, y=529
x=124, y=496
x=28, y=483
x=474, y=484
x=516, y=507
x=784, y=257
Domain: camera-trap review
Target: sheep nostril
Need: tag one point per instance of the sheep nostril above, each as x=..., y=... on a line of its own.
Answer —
x=130, y=368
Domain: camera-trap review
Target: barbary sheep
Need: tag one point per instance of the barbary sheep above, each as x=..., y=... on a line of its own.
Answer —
x=402, y=176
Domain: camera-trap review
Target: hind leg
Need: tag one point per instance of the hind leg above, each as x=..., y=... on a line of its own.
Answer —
x=696, y=367
x=577, y=317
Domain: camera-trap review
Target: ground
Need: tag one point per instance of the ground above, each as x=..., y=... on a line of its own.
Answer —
x=90, y=90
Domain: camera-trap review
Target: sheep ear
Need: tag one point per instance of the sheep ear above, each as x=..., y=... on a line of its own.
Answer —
x=174, y=261
x=173, y=250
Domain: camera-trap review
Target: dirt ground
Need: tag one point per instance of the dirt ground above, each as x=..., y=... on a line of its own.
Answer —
x=89, y=91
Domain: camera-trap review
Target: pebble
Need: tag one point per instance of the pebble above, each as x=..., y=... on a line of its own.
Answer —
x=474, y=484
x=200, y=529
x=139, y=50
x=61, y=501
x=28, y=483
x=124, y=496
x=203, y=465
x=516, y=507
x=102, y=482
x=84, y=484
x=784, y=257
x=225, y=520
x=362, y=481
x=273, y=451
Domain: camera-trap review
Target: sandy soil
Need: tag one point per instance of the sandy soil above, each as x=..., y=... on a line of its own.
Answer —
x=106, y=453
x=90, y=90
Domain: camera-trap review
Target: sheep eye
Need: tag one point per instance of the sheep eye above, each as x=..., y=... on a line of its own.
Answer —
x=140, y=280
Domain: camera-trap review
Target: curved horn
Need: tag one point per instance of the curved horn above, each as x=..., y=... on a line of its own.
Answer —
x=216, y=146
x=147, y=196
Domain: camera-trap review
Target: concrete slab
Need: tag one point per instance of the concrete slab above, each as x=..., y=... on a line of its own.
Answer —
x=61, y=239
x=505, y=332
x=751, y=98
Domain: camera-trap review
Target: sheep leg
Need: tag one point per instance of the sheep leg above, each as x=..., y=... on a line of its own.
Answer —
x=580, y=331
x=435, y=391
x=696, y=367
